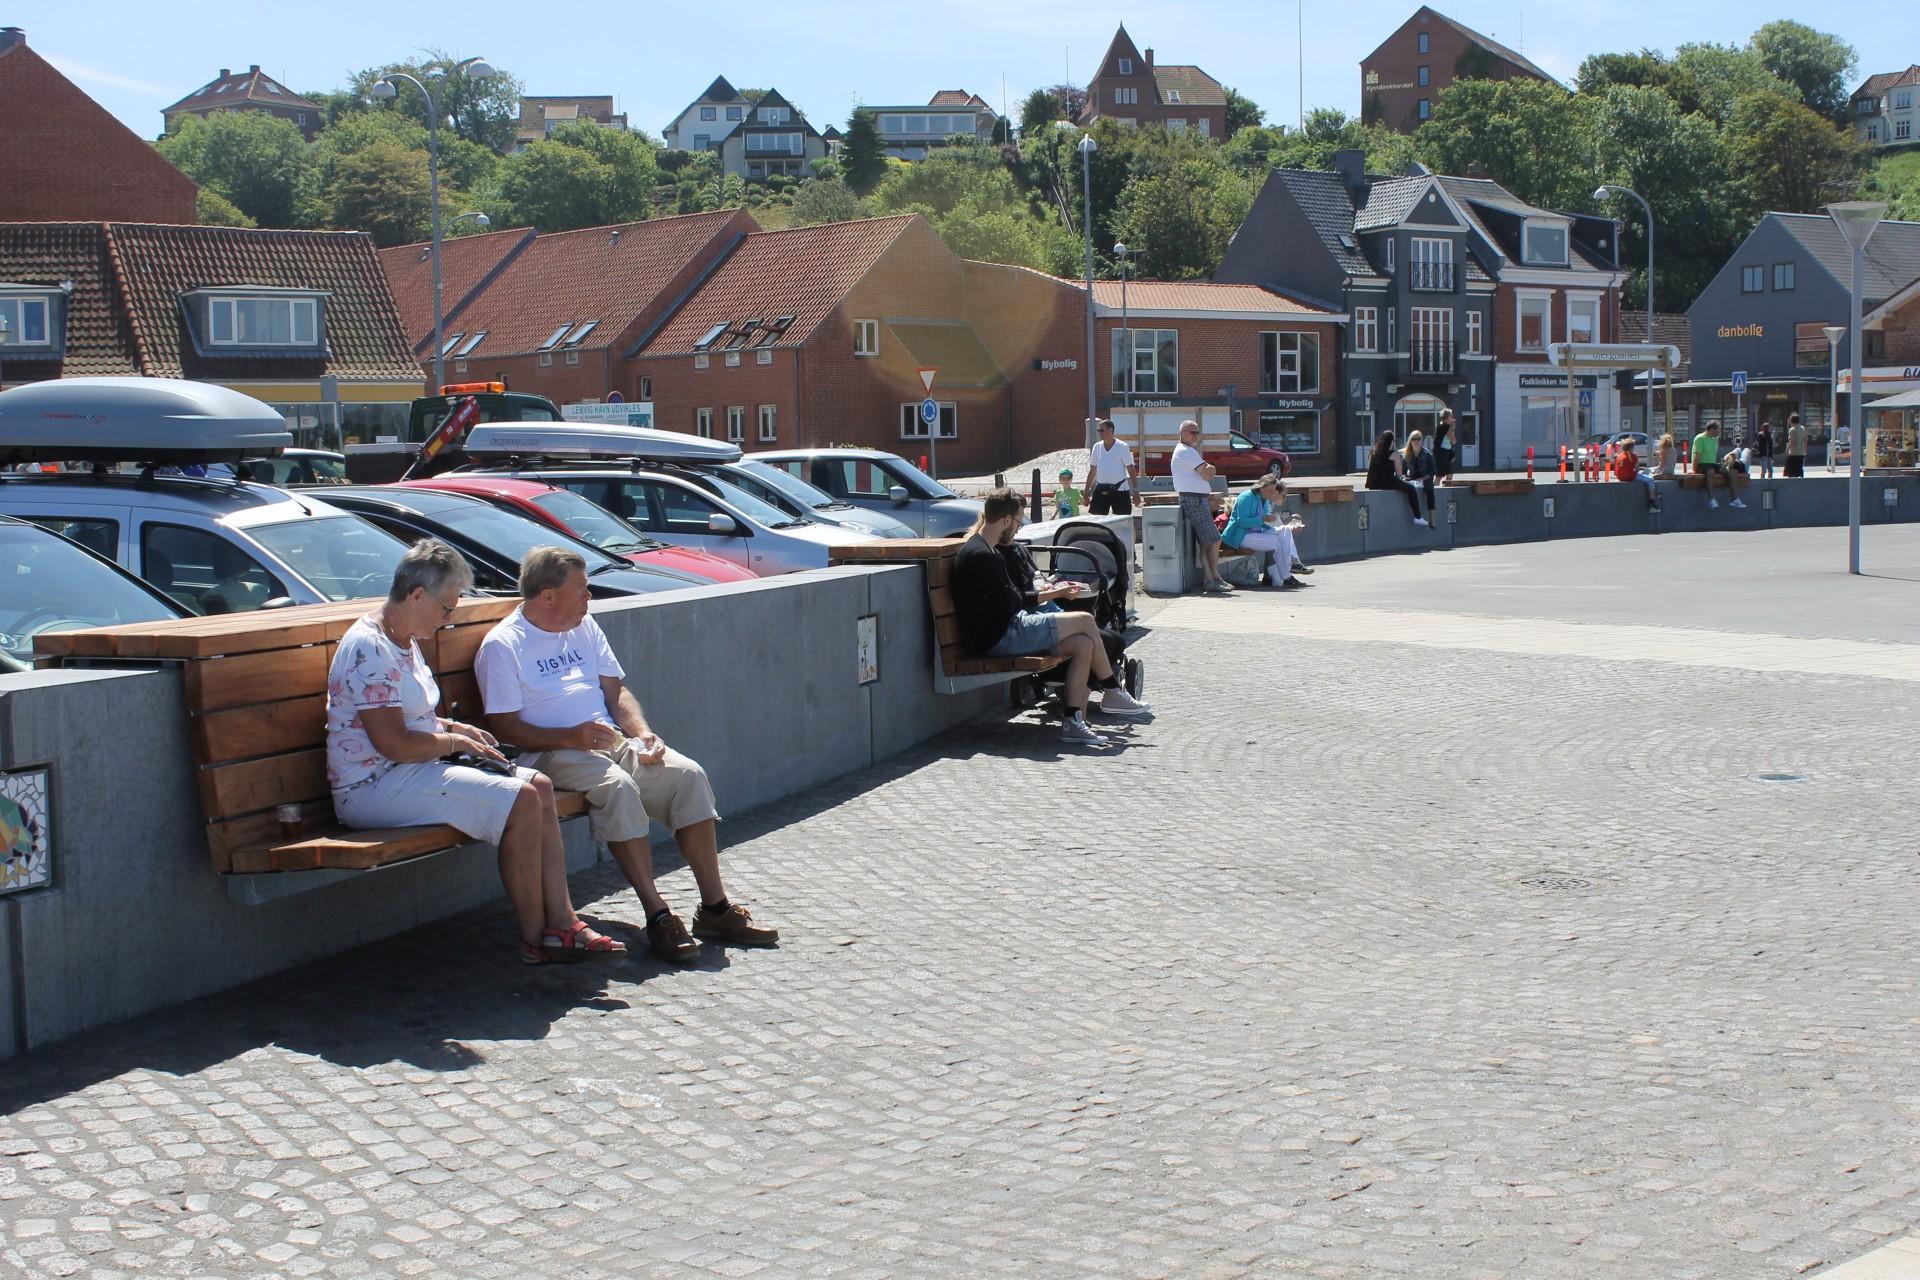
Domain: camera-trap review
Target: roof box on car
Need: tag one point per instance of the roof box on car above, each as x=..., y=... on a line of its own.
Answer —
x=142, y=420
x=598, y=443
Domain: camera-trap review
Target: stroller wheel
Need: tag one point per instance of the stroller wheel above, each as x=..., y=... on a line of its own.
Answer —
x=1134, y=677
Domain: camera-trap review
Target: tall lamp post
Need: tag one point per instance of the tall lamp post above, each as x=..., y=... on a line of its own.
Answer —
x=389, y=87
x=1602, y=194
x=1126, y=331
x=1087, y=147
x=1834, y=333
x=1856, y=220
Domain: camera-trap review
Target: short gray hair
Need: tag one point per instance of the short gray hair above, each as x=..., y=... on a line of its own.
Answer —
x=430, y=565
x=547, y=569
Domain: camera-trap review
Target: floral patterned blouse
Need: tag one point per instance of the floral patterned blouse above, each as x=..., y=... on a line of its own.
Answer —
x=370, y=670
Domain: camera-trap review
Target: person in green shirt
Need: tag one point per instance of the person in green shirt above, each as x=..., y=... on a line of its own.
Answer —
x=1706, y=462
x=1066, y=498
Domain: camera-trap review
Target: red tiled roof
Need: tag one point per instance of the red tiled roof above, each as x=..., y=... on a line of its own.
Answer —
x=610, y=275
x=1194, y=295
x=464, y=263
x=803, y=272
x=1195, y=87
x=129, y=278
x=252, y=87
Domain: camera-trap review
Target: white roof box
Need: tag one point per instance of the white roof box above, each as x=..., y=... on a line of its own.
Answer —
x=135, y=420
x=599, y=443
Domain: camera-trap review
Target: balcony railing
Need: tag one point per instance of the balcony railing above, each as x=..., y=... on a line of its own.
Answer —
x=763, y=145
x=1434, y=356
x=1433, y=277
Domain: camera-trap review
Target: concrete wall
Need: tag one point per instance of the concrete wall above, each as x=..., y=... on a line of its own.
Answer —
x=137, y=919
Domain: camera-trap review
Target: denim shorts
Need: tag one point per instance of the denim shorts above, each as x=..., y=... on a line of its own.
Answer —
x=1030, y=632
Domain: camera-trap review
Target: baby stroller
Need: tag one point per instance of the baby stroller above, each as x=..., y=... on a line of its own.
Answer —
x=1085, y=554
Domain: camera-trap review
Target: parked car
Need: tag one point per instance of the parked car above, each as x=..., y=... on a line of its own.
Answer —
x=299, y=467
x=57, y=584
x=1242, y=459
x=883, y=482
x=1641, y=443
x=570, y=513
x=796, y=497
x=494, y=541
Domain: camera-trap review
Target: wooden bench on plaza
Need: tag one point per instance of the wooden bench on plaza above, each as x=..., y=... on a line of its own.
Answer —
x=255, y=687
x=1489, y=488
x=936, y=555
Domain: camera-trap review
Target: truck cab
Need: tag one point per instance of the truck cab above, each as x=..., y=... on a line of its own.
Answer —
x=385, y=461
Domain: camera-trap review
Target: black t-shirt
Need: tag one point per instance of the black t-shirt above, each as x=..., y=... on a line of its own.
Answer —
x=984, y=595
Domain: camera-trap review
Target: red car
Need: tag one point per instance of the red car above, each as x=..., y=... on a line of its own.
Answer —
x=571, y=513
x=1241, y=460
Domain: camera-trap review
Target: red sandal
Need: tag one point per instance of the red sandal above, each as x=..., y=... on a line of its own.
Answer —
x=578, y=942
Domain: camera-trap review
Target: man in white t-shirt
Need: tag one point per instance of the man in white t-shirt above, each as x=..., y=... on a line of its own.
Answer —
x=1110, y=475
x=1193, y=481
x=552, y=687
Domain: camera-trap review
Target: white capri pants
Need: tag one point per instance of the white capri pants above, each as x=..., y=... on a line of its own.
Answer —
x=1278, y=546
x=433, y=792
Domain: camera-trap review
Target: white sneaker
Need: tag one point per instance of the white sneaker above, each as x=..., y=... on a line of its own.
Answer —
x=1074, y=729
x=1118, y=702
x=1713, y=504
x=1737, y=503
x=1421, y=523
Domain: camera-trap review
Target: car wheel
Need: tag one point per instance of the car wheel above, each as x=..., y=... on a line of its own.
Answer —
x=1277, y=470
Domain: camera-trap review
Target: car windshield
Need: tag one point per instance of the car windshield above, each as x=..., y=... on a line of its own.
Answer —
x=341, y=557
x=595, y=524
x=514, y=536
x=810, y=497
x=52, y=585
x=919, y=484
x=754, y=509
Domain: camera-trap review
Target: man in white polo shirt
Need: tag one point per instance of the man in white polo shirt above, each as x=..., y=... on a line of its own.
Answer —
x=1193, y=481
x=552, y=687
x=1110, y=475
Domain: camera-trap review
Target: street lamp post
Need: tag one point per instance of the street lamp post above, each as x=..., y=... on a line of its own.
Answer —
x=1856, y=220
x=1087, y=147
x=1602, y=194
x=1834, y=333
x=1126, y=330
x=388, y=87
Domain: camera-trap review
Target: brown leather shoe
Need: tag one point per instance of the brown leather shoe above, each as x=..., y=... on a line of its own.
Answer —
x=668, y=939
x=735, y=924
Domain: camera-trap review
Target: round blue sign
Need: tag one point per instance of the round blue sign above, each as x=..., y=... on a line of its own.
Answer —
x=614, y=397
x=929, y=411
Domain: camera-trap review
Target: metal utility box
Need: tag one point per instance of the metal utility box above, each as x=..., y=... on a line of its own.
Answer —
x=1167, y=564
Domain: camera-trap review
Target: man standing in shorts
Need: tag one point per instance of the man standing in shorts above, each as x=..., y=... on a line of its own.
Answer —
x=1193, y=481
x=552, y=687
x=1111, y=475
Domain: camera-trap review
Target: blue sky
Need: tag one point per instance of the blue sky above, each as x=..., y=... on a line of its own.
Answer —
x=135, y=59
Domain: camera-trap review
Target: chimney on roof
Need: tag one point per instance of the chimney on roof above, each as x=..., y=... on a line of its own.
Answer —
x=254, y=70
x=1474, y=169
x=224, y=73
x=11, y=36
x=1149, y=57
x=1351, y=165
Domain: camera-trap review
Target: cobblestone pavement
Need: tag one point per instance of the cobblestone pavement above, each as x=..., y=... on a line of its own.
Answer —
x=1363, y=959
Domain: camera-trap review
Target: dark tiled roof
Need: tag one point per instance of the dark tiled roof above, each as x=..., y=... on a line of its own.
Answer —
x=1496, y=48
x=1892, y=260
x=609, y=275
x=1670, y=328
x=1389, y=200
x=1322, y=196
x=464, y=263
x=719, y=91
x=1474, y=193
x=252, y=87
x=1195, y=87
x=129, y=278
x=803, y=272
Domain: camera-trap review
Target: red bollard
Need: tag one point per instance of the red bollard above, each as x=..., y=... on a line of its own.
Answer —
x=1563, y=464
x=923, y=462
x=1529, y=462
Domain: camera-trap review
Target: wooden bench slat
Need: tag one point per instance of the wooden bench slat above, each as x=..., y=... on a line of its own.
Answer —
x=941, y=598
x=947, y=628
x=249, y=786
x=214, y=684
x=265, y=728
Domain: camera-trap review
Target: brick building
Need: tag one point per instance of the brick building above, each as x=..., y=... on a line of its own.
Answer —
x=1402, y=79
x=540, y=116
x=1129, y=87
x=251, y=90
x=68, y=159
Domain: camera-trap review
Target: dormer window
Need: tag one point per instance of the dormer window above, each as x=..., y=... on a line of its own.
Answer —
x=26, y=320
x=1546, y=244
x=257, y=320
x=1124, y=66
x=773, y=115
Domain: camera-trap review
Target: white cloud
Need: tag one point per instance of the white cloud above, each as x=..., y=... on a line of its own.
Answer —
x=94, y=75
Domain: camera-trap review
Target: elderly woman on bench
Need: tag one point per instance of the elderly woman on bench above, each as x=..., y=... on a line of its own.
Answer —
x=394, y=761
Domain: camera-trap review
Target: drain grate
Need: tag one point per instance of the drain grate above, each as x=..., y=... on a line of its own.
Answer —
x=1778, y=777
x=1556, y=882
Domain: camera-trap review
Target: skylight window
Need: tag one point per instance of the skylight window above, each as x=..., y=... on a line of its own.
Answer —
x=452, y=341
x=574, y=338
x=471, y=343
x=553, y=339
x=742, y=336
x=772, y=333
x=710, y=336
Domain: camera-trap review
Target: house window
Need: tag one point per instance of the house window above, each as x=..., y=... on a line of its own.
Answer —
x=890, y=124
x=733, y=113
x=768, y=434
x=1173, y=95
x=1536, y=321
x=1425, y=77
x=703, y=423
x=1583, y=319
x=1873, y=346
x=733, y=359
x=646, y=389
x=1366, y=328
x=573, y=357
x=1902, y=99
x=23, y=322
x=1289, y=364
x=1426, y=44
x=709, y=113
x=1902, y=129
x=1154, y=357
x=736, y=422
x=773, y=115
x=1393, y=339
x=1124, y=65
x=1432, y=262
x=546, y=359
x=1205, y=126
x=1295, y=431
x=1176, y=125
x=1810, y=349
x=1546, y=244
x=1386, y=254
x=702, y=142
x=459, y=366
x=763, y=357
x=1873, y=133
x=1753, y=279
x=1426, y=109
x=263, y=322
x=1472, y=321
x=699, y=361
x=1125, y=97
x=911, y=428
x=1782, y=276
x=866, y=337
x=1432, y=339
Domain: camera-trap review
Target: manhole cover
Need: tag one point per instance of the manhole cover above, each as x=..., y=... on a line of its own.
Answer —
x=1556, y=882
x=1778, y=777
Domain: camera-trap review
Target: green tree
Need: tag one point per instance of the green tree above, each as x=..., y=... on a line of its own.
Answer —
x=863, y=156
x=1038, y=110
x=825, y=200
x=381, y=189
x=629, y=160
x=1712, y=77
x=554, y=187
x=973, y=201
x=1257, y=150
x=211, y=209
x=1816, y=64
x=1647, y=69
x=1535, y=139
x=1790, y=158
x=258, y=162
x=482, y=111
x=1179, y=209
x=1896, y=180
x=1242, y=112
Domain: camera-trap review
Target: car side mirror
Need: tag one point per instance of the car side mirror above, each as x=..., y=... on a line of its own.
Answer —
x=279, y=602
x=898, y=493
x=720, y=522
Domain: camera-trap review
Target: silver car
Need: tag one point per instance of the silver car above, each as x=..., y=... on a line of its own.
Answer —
x=54, y=584
x=796, y=497
x=883, y=482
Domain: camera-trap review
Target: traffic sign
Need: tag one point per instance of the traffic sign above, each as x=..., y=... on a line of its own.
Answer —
x=926, y=379
x=1740, y=382
x=614, y=397
x=1586, y=397
x=930, y=411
